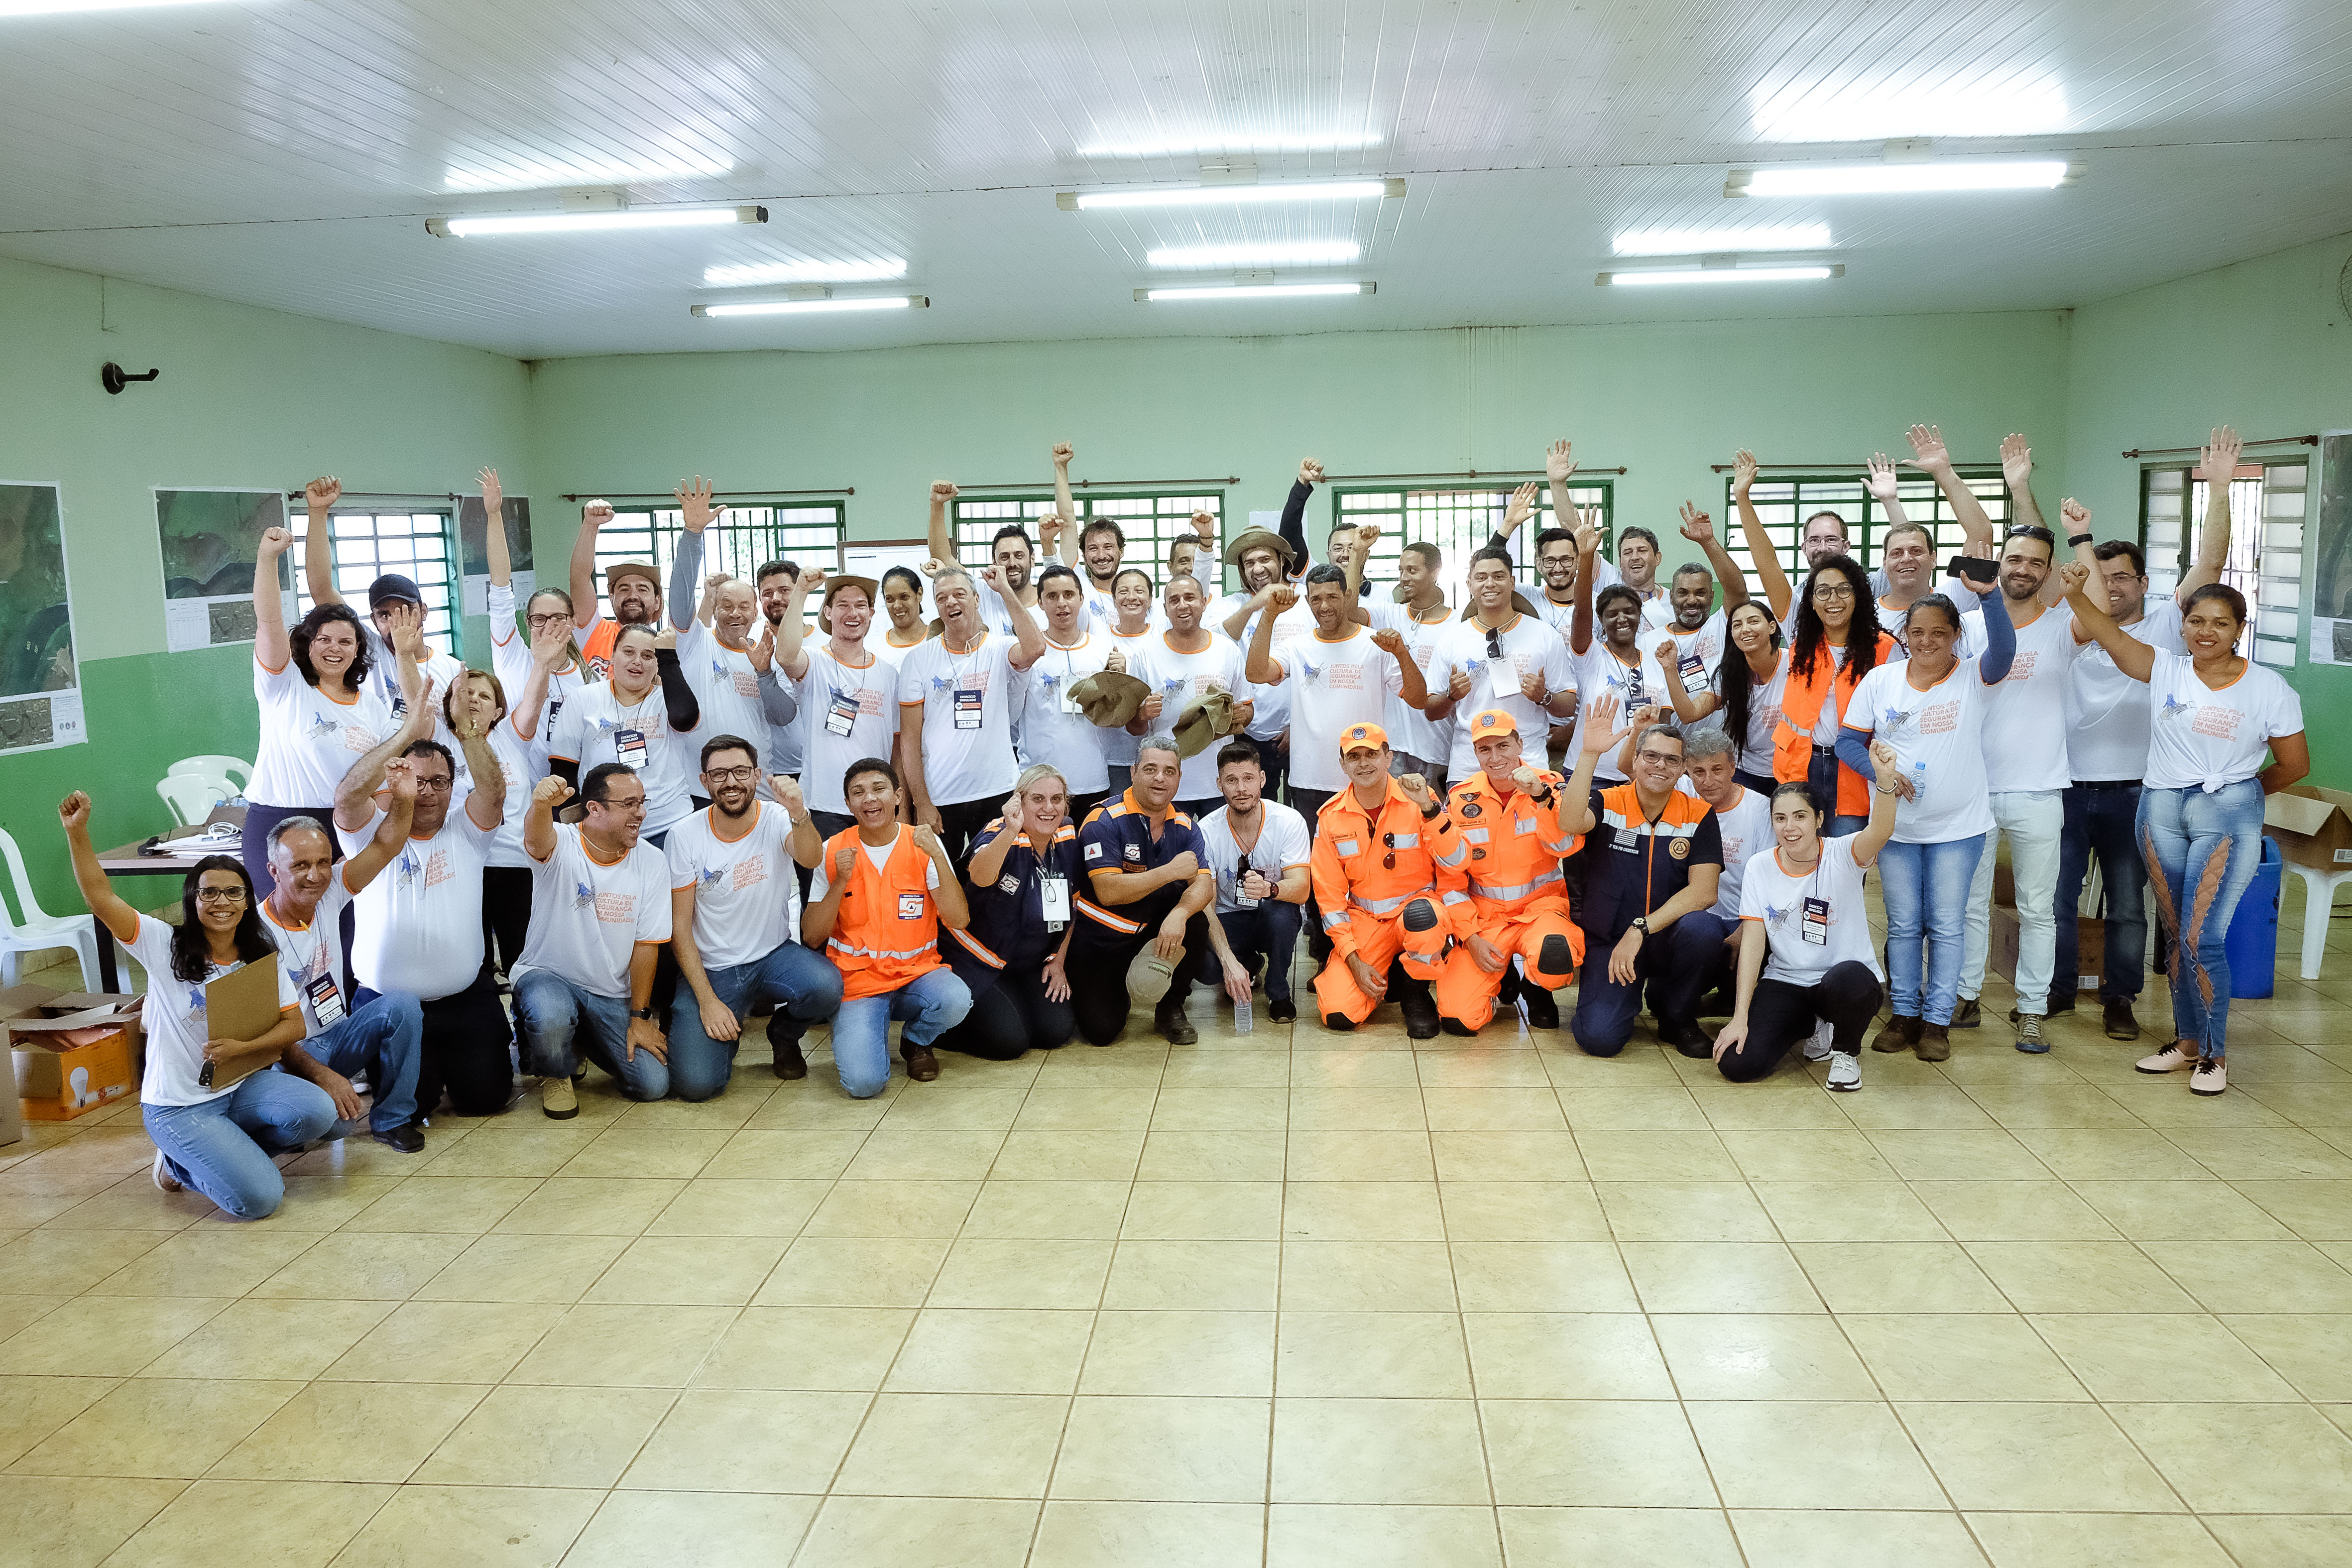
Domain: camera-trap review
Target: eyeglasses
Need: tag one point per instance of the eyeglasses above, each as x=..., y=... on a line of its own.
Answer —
x=220, y=895
x=1833, y=591
x=1662, y=758
x=1388, y=861
x=732, y=775
x=433, y=786
x=535, y=621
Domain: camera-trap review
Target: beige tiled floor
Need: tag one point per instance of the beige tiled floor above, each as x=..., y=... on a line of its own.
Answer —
x=1283, y=1298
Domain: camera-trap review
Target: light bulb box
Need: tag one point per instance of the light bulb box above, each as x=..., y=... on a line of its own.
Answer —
x=57, y=1081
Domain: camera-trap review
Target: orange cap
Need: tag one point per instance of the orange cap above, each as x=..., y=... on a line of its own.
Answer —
x=1493, y=721
x=1369, y=736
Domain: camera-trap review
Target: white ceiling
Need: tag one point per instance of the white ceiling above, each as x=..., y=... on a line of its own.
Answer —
x=285, y=152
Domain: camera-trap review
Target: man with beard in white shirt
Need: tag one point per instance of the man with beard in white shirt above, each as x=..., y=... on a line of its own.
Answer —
x=1418, y=611
x=960, y=689
x=1052, y=728
x=1181, y=668
x=1495, y=657
x=775, y=580
x=1267, y=562
x=1692, y=617
x=732, y=916
x=1259, y=850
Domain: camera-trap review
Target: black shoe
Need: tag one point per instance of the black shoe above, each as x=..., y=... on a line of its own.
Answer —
x=1338, y=1023
x=1284, y=1011
x=1967, y=1016
x=1543, y=1008
x=1420, y=1016
x=2120, y=1024
x=1718, y=1004
x=923, y=1065
x=1686, y=1037
x=1456, y=1027
x=405, y=1138
x=1174, y=1027
x=2059, y=1003
x=788, y=1062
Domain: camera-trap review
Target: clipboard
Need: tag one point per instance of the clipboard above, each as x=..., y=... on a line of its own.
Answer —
x=242, y=1005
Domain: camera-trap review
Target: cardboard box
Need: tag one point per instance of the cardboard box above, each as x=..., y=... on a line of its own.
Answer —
x=12, y=1122
x=2312, y=825
x=2091, y=937
x=57, y=1082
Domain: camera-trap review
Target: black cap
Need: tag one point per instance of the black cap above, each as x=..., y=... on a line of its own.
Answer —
x=393, y=588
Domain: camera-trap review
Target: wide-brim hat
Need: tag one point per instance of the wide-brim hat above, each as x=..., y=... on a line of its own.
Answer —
x=1260, y=539
x=833, y=586
x=1519, y=601
x=620, y=569
x=1204, y=720
x=1110, y=698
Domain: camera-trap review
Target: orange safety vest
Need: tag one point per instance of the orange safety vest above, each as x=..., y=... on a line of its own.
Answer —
x=1509, y=849
x=1801, y=711
x=1349, y=862
x=878, y=946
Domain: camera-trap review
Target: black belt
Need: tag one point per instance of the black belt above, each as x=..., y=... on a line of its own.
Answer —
x=1819, y=751
x=2107, y=783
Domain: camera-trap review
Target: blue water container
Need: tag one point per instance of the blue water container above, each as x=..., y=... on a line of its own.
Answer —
x=2253, y=941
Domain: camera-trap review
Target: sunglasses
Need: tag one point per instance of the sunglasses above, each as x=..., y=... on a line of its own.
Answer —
x=1388, y=861
x=1493, y=644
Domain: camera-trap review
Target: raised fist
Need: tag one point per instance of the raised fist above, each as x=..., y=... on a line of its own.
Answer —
x=1526, y=779
x=2071, y=575
x=596, y=514
x=943, y=491
x=1367, y=535
x=322, y=493
x=1416, y=790
x=926, y=839
x=715, y=581
x=1184, y=863
x=932, y=567
x=1063, y=454
x=274, y=542
x=1389, y=640
x=844, y=861
x=73, y=810
x=1011, y=812
x=1205, y=526
x=1310, y=471
x=2077, y=515
x=1279, y=598
x=1667, y=654
x=991, y=575
x=550, y=792
x=788, y=795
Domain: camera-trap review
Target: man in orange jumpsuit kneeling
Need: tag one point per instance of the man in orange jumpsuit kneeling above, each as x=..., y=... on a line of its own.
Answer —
x=1380, y=847
x=1505, y=889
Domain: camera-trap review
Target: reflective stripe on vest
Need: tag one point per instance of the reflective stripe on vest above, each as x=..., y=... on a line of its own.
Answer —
x=1504, y=894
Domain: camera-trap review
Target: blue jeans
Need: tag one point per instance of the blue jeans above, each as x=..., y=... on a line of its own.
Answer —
x=551, y=1012
x=222, y=1148
x=800, y=988
x=1926, y=891
x=385, y=1036
x=928, y=1004
x=2102, y=820
x=2201, y=851
x=1269, y=931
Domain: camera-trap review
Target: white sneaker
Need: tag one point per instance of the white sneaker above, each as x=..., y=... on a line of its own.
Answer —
x=1846, y=1072
x=1817, y=1048
x=162, y=1174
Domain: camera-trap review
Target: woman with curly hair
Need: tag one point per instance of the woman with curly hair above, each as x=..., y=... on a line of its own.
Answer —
x=1837, y=642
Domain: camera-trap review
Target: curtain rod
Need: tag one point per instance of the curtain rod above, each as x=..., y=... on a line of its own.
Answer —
x=1472, y=474
x=1107, y=484
x=384, y=495
x=2198, y=451
x=1913, y=475
x=715, y=495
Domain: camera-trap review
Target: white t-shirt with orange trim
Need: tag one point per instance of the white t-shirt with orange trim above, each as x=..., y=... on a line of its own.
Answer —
x=1528, y=645
x=1334, y=681
x=309, y=738
x=746, y=893
x=593, y=728
x=836, y=696
x=1179, y=678
x=1814, y=919
x=174, y=1019
x=965, y=703
x=1282, y=842
x=587, y=915
x=510, y=662
x=419, y=927
x=1056, y=729
x=307, y=951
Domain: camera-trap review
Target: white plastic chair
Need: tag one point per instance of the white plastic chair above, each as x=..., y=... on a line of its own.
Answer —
x=2319, y=885
x=232, y=773
x=191, y=797
x=39, y=929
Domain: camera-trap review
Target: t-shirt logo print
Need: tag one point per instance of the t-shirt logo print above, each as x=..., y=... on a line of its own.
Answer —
x=2173, y=707
x=582, y=895
x=711, y=875
x=321, y=726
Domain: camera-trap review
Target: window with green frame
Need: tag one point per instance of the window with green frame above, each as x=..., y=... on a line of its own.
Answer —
x=739, y=541
x=2265, y=559
x=1459, y=520
x=367, y=544
x=1783, y=502
x=1150, y=522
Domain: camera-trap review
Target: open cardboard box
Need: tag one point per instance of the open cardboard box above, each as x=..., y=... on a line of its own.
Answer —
x=2312, y=825
x=57, y=1082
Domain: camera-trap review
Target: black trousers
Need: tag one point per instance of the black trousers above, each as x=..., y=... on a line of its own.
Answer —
x=506, y=914
x=1268, y=931
x=960, y=822
x=1276, y=760
x=1780, y=1015
x=1010, y=1014
x=1098, y=969
x=467, y=1050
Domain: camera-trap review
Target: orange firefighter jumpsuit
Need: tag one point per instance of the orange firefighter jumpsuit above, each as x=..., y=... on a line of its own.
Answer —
x=1504, y=884
x=1375, y=876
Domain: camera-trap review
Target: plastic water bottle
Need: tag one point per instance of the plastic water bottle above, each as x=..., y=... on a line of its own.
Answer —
x=1918, y=784
x=1244, y=1018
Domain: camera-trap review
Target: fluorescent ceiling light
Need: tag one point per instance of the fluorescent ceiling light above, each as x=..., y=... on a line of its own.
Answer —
x=1306, y=253
x=1709, y=241
x=60, y=7
x=538, y=174
x=881, y=269
x=581, y=222
x=1892, y=179
x=1182, y=146
x=1237, y=195
x=812, y=306
x=1658, y=275
x=1253, y=291
x=1815, y=113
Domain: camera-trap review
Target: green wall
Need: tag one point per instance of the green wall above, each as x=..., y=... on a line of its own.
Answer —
x=2265, y=345
x=249, y=397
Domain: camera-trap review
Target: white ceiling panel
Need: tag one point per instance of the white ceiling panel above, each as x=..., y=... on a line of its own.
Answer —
x=287, y=151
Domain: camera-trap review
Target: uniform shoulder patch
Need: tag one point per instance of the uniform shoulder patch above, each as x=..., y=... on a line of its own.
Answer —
x=1094, y=851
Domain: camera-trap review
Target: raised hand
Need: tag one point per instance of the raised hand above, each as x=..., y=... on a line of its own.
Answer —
x=404, y=629
x=320, y=494
x=1521, y=507
x=2071, y=575
x=789, y=795
x=844, y=862
x=1416, y=790
x=1011, y=812
x=694, y=502
x=1588, y=535
x=1557, y=462
x=943, y=491
x=493, y=494
x=1601, y=734
x=1063, y=454
x=926, y=839
x=1279, y=598
x=1389, y=640
x=1880, y=479
x=275, y=542
x=1526, y=779
x=2016, y=461
x=1927, y=451
x=1743, y=471
x=550, y=792
x=2220, y=459
x=551, y=645
x=400, y=777
x=1310, y=471
x=74, y=812
x=595, y=514
x=1697, y=526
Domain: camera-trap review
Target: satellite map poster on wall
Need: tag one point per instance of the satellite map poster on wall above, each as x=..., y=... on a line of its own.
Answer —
x=40, y=685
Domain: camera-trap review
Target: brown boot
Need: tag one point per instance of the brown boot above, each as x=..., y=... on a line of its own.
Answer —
x=1900, y=1035
x=1935, y=1042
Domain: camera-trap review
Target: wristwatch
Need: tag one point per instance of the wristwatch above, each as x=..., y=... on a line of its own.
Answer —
x=644, y=1013
x=1642, y=924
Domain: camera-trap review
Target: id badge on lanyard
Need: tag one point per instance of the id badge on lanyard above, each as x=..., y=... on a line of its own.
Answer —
x=1814, y=923
x=629, y=746
x=326, y=999
x=1693, y=673
x=841, y=714
x=967, y=708
x=1054, y=901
